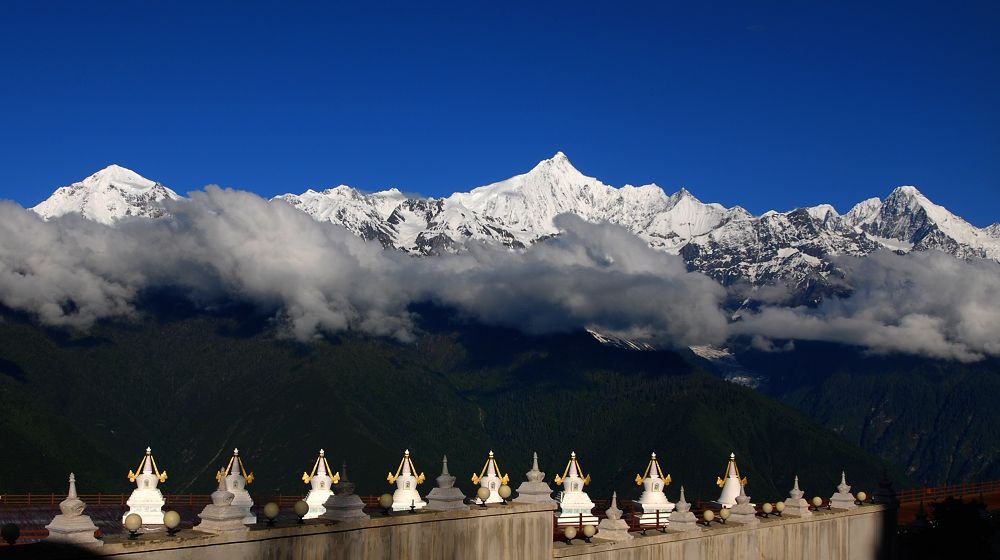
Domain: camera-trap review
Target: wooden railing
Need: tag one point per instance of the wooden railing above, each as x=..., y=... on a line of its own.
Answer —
x=941, y=492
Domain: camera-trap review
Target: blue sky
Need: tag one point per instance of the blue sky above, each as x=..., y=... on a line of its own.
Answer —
x=761, y=103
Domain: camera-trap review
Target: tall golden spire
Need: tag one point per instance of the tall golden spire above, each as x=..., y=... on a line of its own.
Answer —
x=496, y=470
x=653, y=461
x=306, y=477
x=572, y=467
x=147, y=464
x=235, y=466
x=731, y=468
x=406, y=467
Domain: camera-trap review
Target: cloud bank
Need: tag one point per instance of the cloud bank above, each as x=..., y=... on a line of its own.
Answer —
x=320, y=278
x=927, y=303
x=315, y=277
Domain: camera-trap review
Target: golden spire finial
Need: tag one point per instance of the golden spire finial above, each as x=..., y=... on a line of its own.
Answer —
x=161, y=476
x=407, y=461
x=731, y=468
x=321, y=460
x=639, y=479
x=236, y=461
x=575, y=465
x=504, y=479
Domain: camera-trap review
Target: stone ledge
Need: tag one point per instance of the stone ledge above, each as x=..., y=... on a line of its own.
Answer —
x=580, y=548
x=119, y=545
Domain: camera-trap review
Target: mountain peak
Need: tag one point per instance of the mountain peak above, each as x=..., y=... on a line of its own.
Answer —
x=117, y=173
x=907, y=192
x=107, y=196
x=558, y=163
x=683, y=193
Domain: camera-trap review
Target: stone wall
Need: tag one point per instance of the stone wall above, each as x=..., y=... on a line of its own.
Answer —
x=523, y=532
x=827, y=535
x=497, y=532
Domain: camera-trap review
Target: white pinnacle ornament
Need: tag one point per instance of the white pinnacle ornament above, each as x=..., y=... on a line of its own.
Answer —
x=406, y=496
x=146, y=500
x=574, y=504
x=72, y=526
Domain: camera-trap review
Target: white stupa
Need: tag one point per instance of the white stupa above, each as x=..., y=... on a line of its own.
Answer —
x=743, y=512
x=344, y=504
x=321, y=486
x=795, y=504
x=574, y=504
x=490, y=479
x=146, y=500
x=446, y=496
x=534, y=490
x=221, y=516
x=613, y=527
x=682, y=519
x=730, y=485
x=72, y=526
x=406, y=496
x=843, y=499
x=656, y=507
x=237, y=480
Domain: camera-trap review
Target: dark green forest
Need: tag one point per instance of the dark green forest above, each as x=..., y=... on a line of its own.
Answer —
x=195, y=385
x=939, y=420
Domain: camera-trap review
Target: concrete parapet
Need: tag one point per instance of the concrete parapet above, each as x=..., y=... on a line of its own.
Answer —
x=495, y=532
x=522, y=531
x=828, y=535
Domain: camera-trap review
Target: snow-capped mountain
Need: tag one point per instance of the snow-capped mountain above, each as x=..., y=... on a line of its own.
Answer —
x=729, y=244
x=107, y=196
x=907, y=216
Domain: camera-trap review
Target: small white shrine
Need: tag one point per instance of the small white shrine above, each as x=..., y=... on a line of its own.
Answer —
x=613, y=527
x=489, y=478
x=406, y=496
x=446, y=496
x=321, y=486
x=534, y=490
x=344, y=504
x=72, y=526
x=795, y=504
x=237, y=480
x=221, y=516
x=574, y=504
x=731, y=484
x=682, y=519
x=146, y=500
x=656, y=507
x=843, y=499
x=743, y=512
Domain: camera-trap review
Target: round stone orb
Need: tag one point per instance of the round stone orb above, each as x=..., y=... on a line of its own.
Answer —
x=724, y=514
x=271, y=510
x=483, y=493
x=504, y=491
x=780, y=506
x=301, y=508
x=767, y=508
x=133, y=521
x=589, y=531
x=569, y=532
x=709, y=515
x=862, y=496
x=385, y=501
x=817, y=501
x=172, y=519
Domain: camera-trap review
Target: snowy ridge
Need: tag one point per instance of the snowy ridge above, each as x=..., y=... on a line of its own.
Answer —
x=793, y=248
x=107, y=196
